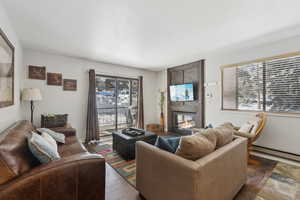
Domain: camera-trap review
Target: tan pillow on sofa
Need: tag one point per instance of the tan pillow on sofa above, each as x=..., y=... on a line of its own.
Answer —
x=209, y=133
x=224, y=134
x=197, y=146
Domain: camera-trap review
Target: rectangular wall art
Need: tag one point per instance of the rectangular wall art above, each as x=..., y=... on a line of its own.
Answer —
x=6, y=71
x=54, y=79
x=70, y=84
x=36, y=72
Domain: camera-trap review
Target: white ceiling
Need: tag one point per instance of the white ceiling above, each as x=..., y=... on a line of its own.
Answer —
x=147, y=34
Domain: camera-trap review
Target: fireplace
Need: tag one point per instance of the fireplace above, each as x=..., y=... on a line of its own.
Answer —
x=183, y=122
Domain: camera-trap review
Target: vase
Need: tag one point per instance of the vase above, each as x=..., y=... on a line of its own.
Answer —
x=162, y=122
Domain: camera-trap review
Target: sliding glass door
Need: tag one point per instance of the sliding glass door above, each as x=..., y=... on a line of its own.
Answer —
x=116, y=103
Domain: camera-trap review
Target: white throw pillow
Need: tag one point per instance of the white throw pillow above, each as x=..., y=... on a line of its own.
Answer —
x=49, y=139
x=59, y=137
x=42, y=149
x=246, y=128
x=256, y=124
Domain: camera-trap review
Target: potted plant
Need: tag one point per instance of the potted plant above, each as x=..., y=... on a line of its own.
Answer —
x=161, y=105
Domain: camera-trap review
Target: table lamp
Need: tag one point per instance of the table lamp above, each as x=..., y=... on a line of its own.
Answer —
x=31, y=94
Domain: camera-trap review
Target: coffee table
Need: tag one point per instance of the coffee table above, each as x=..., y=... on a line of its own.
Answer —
x=124, y=145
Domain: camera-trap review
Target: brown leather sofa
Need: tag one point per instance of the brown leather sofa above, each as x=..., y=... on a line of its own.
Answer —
x=77, y=175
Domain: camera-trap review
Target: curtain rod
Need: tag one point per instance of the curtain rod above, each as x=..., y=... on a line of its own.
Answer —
x=114, y=74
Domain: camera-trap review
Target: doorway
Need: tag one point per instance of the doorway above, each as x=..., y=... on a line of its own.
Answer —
x=117, y=100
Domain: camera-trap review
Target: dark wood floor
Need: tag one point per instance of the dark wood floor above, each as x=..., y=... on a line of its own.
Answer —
x=117, y=188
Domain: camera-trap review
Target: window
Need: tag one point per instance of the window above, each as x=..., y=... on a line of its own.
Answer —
x=271, y=85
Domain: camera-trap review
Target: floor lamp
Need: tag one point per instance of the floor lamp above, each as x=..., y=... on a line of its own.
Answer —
x=31, y=94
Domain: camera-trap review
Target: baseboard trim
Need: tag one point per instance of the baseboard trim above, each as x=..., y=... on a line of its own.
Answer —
x=278, y=153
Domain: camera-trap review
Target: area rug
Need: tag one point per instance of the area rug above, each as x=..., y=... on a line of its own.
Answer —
x=268, y=180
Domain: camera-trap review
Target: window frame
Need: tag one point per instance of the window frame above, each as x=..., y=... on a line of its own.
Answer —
x=263, y=61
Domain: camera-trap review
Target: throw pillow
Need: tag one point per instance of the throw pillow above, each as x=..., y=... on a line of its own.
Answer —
x=196, y=130
x=224, y=134
x=256, y=123
x=246, y=128
x=167, y=144
x=208, y=126
x=50, y=140
x=42, y=149
x=59, y=137
x=194, y=147
x=174, y=142
x=210, y=134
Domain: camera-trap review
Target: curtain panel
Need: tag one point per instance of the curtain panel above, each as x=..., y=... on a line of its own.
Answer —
x=140, y=117
x=92, y=124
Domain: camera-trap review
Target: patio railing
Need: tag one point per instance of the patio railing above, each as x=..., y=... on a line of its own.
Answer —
x=107, y=119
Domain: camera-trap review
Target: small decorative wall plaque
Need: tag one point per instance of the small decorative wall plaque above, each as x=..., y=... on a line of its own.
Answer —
x=36, y=72
x=54, y=79
x=70, y=85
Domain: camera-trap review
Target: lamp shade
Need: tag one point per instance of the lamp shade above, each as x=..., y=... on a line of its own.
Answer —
x=31, y=94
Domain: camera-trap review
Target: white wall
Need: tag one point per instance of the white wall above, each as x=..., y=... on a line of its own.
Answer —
x=55, y=100
x=11, y=114
x=282, y=131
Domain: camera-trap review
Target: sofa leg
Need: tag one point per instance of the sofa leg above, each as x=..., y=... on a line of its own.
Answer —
x=142, y=197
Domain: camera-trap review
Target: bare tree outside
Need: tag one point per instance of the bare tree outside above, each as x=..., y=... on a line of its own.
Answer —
x=272, y=86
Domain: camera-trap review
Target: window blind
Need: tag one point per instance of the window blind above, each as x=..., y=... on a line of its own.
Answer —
x=271, y=85
x=283, y=85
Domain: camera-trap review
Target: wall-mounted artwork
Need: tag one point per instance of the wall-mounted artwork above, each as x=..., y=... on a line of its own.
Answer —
x=70, y=84
x=36, y=72
x=54, y=79
x=6, y=71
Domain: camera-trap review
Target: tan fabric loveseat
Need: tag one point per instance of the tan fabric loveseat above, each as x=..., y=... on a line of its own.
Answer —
x=165, y=176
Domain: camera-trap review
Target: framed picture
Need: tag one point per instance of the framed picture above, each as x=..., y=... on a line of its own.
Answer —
x=6, y=71
x=36, y=72
x=54, y=79
x=70, y=84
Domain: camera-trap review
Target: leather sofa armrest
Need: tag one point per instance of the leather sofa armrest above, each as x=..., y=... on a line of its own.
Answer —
x=80, y=176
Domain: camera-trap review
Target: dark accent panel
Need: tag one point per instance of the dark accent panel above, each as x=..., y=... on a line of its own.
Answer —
x=177, y=77
x=188, y=73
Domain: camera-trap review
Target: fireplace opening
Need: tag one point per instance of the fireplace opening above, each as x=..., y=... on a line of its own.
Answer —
x=184, y=121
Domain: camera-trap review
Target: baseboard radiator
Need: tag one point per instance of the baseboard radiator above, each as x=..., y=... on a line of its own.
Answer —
x=277, y=153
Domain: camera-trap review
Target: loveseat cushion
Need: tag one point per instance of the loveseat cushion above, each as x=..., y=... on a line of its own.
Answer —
x=197, y=146
x=224, y=134
x=210, y=134
x=15, y=156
